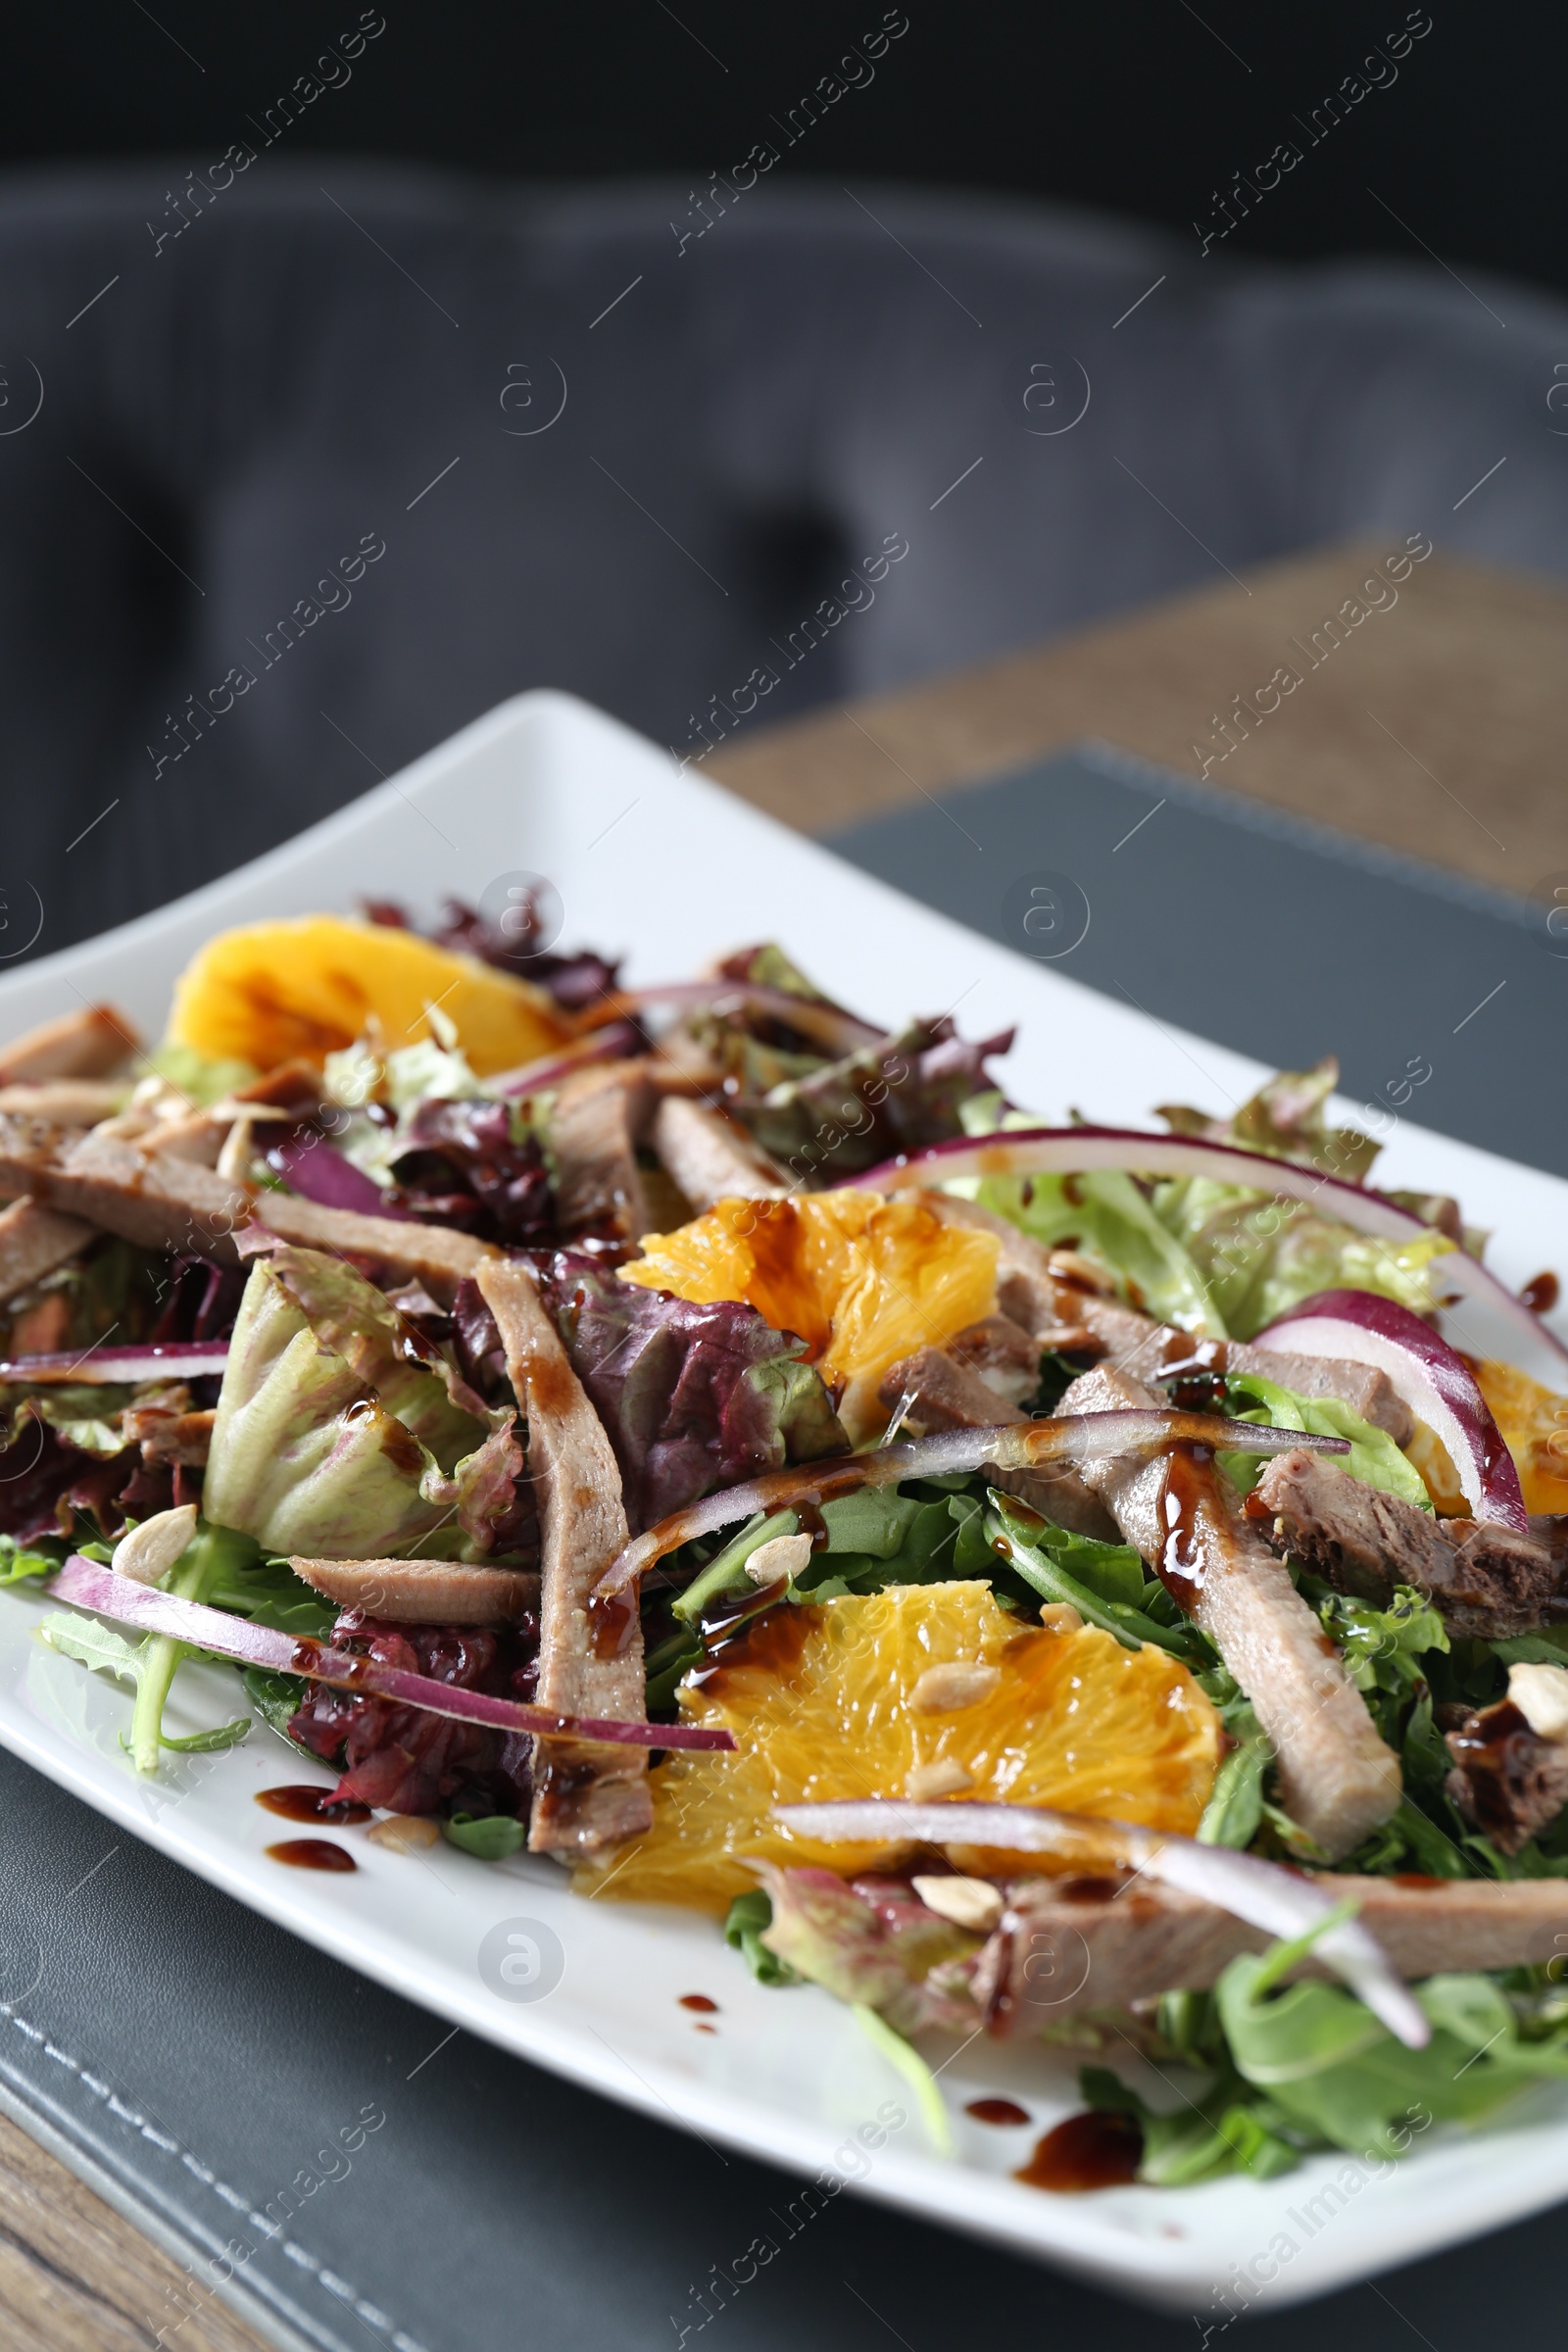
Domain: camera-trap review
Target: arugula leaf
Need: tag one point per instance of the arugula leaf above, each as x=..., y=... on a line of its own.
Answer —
x=1309, y=2067
x=203, y=1744
x=667, y=1667
x=492, y=1836
x=276, y=1698
x=1234, y=1813
x=21, y=1560
x=1322, y=2057
x=906, y=2059
x=1036, y=1550
x=1231, y=2129
x=747, y=1915
x=149, y=1664
x=96, y=1646
x=99, y=1647
x=268, y=1592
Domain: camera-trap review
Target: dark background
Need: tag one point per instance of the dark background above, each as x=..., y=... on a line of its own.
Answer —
x=1141, y=109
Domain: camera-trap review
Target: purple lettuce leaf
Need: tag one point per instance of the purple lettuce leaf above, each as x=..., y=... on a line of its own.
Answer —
x=693, y=1398
x=461, y=1165
x=893, y=1097
x=49, y=1486
x=411, y=1761
x=879, y=1949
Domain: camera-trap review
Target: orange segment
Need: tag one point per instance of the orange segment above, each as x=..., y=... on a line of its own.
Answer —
x=864, y=1281
x=819, y=1699
x=1534, y=1422
x=272, y=993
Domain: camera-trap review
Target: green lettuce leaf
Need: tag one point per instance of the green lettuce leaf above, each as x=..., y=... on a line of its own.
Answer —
x=330, y=1441
x=1254, y=1256
x=1105, y=1215
x=1374, y=1457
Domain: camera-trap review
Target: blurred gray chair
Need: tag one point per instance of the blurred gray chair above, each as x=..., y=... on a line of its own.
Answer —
x=353, y=454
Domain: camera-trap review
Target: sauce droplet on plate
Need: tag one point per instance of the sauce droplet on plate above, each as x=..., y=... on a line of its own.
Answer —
x=698, y=2000
x=312, y=1853
x=996, y=2111
x=1094, y=2150
x=302, y=1800
x=1542, y=1293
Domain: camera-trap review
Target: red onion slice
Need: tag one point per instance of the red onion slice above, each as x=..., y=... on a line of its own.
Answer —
x=168, y=1361
x=1073, y=1150
x=118, y=1597
x=828, y=1025
x=318, y=1171
x=610, y=1044
x=1361, y=1327
x=1010, y=1446
x=1281, y=1902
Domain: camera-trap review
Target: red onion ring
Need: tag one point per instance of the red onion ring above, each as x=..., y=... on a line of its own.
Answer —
x=119, y=1597
x=828, y=1025
x=171, y=1360
x=1010, y=1446
x=318, y=1171
x=1073, y=1150
x=1361, y=1327
x=610, y=1044
x=1280, y=1901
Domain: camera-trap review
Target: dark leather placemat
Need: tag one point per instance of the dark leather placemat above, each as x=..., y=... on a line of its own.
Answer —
x=204, y=2060
x=199, y=2060
x=1268, y=935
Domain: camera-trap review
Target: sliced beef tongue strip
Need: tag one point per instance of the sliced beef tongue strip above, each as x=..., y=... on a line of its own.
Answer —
x=33, y=1242
x=425, y=1592
x=585, y=1798
x=1338, y=1779
x=1489, y=1581
x=710, y=1157
x=1064, y=1945
x=1004, y=1355
x=1062, y=1313
x=161, y=1203
x=939, y=1389
x=1057, y=1312
x=595, y=1123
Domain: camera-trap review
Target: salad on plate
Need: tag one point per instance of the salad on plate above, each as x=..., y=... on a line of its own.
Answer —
x=1072, y=1584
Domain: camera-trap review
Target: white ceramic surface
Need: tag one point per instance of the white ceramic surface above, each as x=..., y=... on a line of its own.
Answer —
x=672, y=870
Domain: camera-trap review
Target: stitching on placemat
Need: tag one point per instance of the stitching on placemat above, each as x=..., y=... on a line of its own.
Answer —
x=338, y=2288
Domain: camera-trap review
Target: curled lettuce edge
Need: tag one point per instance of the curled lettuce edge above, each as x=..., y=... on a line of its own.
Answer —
x=328, y=1442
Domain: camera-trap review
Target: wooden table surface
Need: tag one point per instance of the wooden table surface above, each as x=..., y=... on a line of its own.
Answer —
x=1436, y=723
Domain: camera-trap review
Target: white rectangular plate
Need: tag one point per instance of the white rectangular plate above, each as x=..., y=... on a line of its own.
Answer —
x=672, y=871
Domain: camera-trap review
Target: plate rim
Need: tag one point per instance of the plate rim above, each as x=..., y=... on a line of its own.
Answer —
x=1145, y=2268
